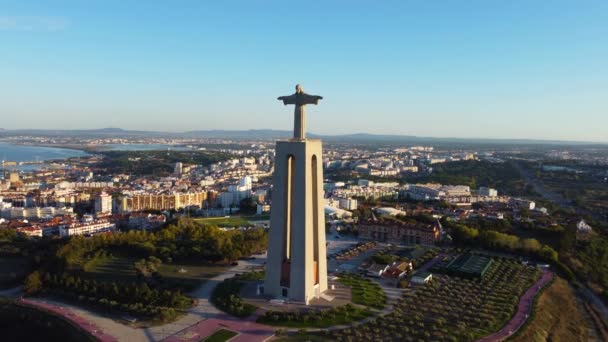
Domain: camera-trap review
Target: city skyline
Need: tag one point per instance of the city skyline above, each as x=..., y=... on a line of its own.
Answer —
x=480, y=70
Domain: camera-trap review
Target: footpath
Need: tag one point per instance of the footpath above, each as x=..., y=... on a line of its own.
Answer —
x=523, y=310
x=72, y=317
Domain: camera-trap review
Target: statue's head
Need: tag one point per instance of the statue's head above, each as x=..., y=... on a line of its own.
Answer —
x=299, y=89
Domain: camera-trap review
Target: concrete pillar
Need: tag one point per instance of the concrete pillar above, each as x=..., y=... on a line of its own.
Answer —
x=297, y=259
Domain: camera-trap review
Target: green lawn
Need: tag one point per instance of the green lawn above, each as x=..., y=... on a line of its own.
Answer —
x=115, y=268
x=12, y=270
x=232, y=221
x=189, y=276
x=364, y=291
x=221, y=335
x=316, y=318
x=186, y=276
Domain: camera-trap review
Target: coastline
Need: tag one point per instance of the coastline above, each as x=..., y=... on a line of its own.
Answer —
x=73, y=147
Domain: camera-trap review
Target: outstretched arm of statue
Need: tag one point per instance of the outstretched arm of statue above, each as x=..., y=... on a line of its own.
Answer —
x=291, y=99
x=312, y=99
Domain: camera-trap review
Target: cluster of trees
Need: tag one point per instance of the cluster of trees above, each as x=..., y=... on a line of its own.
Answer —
x=136, y=298
x=58, y=268
x=502, y=176
x=424, y=258
x=383, y=258
x=184, y=239
x=482, y=223
x=146, y=268
x=248, y=206
x=97, y=258
x=594, y=265
x=226, y=297
x=159, y=163
x=450, y=308
x=494, y=240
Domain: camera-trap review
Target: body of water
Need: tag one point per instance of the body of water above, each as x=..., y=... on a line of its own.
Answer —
x=23, y=153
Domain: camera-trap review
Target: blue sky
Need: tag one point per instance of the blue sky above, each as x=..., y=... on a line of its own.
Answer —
x=487, y=68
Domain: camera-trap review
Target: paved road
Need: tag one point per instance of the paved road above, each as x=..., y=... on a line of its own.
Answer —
x=594, y=300
x=78, y=320
x=530, y=178
x=523, y=310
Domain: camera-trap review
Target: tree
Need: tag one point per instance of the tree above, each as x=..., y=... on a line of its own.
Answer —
x=464, y=234
x=33, y=283
x=547, y=253
x=248, y=206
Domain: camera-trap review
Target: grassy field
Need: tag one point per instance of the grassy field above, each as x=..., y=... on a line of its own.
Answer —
x=189, y=276
x=221, y=335
x=558, y=317
x=12, y=270
x=232, y=221
x=120, y=269
x=364, y=291
x=316, y=318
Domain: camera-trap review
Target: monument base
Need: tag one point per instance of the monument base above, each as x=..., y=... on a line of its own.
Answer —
x=296, y=269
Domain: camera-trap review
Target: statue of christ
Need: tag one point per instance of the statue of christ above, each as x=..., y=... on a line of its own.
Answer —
x=300, y=99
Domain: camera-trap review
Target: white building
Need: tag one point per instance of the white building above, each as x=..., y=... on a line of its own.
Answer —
x=421, y=278
x=178, y=168
x=521, y=203
x=103, y=204
x=262, y=209
x=34, y=213
x=583, y=227
x=489, y=192
x=87, y=227
x=388, y=211
x=245, y=182
x=348, y=203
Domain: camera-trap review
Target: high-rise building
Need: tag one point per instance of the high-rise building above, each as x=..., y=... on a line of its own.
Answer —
x=162, y=201
x=297, y=257
x=103, y=204
x=14, y=177
x=178, y=169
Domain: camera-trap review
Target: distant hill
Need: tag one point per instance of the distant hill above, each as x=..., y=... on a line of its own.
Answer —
x=247, y=134
x=271, y=134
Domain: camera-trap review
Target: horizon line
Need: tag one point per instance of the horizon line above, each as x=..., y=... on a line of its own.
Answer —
x=311, y=133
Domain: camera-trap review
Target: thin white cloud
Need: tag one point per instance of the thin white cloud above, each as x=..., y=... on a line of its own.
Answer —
x=32, y=23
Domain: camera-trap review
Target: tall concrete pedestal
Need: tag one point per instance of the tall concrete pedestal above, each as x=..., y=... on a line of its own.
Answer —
x=297, y=258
